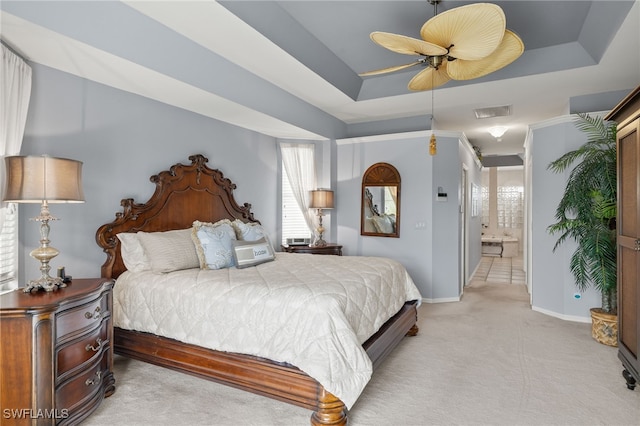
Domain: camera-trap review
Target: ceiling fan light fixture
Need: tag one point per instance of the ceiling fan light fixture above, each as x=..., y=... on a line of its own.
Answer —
x=435, y=61
x=498, y=131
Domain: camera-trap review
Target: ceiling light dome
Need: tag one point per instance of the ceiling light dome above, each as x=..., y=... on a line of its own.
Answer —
x=498, y=131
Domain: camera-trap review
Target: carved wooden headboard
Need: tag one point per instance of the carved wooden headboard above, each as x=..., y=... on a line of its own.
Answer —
x=183, y=194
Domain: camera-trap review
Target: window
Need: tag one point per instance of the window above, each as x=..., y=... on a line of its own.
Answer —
x=294, y=224
x=9, y=249
x=510, y=206
x=389, y=200
x=298, y=179
x=485, y=206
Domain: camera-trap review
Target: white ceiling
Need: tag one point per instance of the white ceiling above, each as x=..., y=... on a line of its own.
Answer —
x=289, y=69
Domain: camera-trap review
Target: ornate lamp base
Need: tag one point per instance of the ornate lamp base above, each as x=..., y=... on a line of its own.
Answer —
x=320, y=242
x=44, y=254
x=44, y=283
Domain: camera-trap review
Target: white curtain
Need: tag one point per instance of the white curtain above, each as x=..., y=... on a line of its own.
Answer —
x=15, y=91
x=299, y=164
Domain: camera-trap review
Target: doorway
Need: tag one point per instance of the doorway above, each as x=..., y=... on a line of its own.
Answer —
x=503, y=208
x=502, y=226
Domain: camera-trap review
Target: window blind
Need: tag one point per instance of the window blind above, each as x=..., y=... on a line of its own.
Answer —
x=9, y=248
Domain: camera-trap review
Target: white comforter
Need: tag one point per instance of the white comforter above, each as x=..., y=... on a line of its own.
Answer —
x=310, y=311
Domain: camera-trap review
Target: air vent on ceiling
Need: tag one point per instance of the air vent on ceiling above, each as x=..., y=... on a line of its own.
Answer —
x=498, y=111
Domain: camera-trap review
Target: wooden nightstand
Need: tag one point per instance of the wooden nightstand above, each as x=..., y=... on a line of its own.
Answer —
x=56, y=352
x=334, y=249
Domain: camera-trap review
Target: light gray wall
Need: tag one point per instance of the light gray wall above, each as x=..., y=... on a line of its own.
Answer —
x=552, y=285
x=474, y=226
x=429, y=230
x=414, y=247
x=123, y=139
x=445, y=220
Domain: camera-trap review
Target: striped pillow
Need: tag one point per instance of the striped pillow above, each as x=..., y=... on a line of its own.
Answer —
x=170, y=250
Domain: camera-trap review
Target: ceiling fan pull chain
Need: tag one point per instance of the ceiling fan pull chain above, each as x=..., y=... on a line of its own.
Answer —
x=433, y=149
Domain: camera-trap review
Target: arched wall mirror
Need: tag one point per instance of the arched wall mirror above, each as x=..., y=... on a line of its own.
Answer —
x=380, y=214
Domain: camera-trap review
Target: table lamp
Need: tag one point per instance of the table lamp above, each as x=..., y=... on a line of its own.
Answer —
x=43, y=179
x=321, y=199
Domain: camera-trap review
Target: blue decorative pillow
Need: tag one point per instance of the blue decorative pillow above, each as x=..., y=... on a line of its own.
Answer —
x=214, y=243
x=248, y=231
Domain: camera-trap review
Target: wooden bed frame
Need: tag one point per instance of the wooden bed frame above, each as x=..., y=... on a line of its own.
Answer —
x=186, y=193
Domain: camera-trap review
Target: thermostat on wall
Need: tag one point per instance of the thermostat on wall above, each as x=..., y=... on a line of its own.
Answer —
x=442, y=196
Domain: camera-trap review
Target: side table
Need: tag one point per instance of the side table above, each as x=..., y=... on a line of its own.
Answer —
x=334, y=249
x=56, y=353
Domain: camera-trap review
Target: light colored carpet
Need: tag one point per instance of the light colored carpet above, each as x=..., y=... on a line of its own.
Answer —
x=487, y=360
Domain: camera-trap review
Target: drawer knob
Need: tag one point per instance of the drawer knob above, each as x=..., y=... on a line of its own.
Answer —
x=90, y=382
x=95, y=314
x=99, y=343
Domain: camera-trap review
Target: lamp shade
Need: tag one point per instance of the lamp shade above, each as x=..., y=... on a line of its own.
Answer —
x=34, y=179
x=321, y=199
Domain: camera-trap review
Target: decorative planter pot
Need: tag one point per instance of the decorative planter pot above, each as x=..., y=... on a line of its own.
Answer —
x=604, y=327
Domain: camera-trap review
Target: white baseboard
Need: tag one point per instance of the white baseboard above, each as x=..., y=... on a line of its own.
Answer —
x=442, y=300
x=561, y=316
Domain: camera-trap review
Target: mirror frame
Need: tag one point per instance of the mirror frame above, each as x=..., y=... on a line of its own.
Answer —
x=380, y=174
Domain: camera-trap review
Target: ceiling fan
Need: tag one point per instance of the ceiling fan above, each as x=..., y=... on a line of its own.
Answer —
x=463, y=43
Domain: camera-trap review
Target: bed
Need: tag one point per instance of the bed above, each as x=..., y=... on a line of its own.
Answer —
x=190, y=194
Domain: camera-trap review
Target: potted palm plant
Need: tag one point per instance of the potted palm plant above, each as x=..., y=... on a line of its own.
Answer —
x=587, y=214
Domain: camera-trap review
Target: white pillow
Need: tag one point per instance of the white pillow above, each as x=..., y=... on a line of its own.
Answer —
x=214, y=243
x=132, y=253
x=170, y=250
x=252, y=253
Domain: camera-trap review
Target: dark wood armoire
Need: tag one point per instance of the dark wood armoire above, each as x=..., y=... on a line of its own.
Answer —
x=627, y=115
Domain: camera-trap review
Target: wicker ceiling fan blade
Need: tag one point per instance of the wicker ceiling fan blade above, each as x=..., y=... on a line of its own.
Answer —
x=429, y=78
x=390, y=69
x=509, y=50
x=406, y=45
x=473, y=31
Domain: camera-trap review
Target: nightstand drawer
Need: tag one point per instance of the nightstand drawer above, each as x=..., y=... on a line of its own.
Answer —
x=87, y=316
x=81, y=388
x=73, y=355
